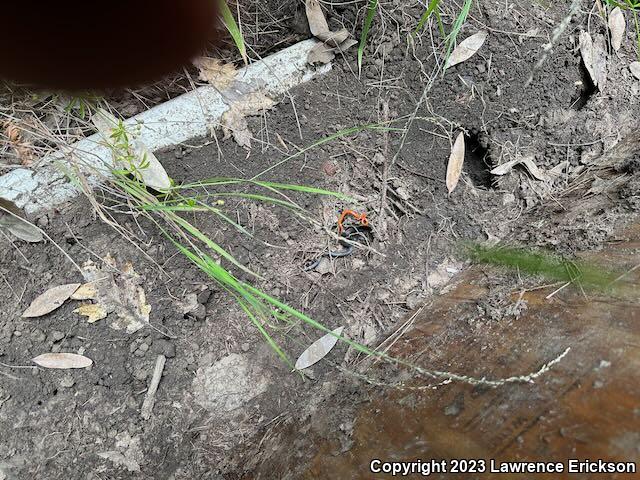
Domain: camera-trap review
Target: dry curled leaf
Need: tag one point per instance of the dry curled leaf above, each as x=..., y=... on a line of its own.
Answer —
x=635, y=69
x=234, y=121
x=88, y=291
x=318, y=349
x=119, y=291
x=11, y=219
x=94, y=312
x=594, y=56
x=332, y=41
x=50, y=300
x=215, y=72
x=527, y=162
x=617, y=27
x=466, y=49
x=62, y=361
x=456, y=161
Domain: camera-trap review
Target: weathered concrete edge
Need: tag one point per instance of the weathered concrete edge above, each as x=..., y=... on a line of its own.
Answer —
x=178, y=120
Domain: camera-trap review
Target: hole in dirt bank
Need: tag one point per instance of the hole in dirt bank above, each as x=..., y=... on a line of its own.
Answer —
x=477, y=160
x=586, y=89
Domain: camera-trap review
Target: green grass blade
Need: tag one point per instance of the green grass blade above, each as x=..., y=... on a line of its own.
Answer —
x=235, y=32
x=371, y=12
x=455, y=29
x=433, y=6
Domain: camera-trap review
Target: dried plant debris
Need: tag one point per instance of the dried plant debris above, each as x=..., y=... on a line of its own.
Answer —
x=635, y=69
x=594, y=56
x=119, y=293
x=529, y=163
x=234, y=120
x=617, y=28
x=12, y=220
x=50, y=300
x=62, y=361
x=318, y=349
x=333, y=42
x=15, y=138
x=93, y=311
x=466, y=49
x=88, y=291
x=215, y=72
x=456, y=162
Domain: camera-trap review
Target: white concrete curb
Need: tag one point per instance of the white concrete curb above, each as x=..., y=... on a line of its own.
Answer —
x=176, y=121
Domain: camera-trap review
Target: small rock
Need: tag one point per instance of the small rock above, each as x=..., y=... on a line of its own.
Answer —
x=203, y=296
x=56, y=336
x=67, y=381
x=164, y=347
x=329, y=168
x=144, y=347
x=245, y=347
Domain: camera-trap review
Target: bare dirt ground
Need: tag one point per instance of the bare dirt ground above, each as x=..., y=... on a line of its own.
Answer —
x=224, y=391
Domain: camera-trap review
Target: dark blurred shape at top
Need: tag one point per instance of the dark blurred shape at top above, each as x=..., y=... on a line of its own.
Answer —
x=93, y=44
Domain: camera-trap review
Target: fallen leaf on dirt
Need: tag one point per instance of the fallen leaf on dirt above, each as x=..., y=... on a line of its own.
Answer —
x=119, y=291
x=215, y=72
x=617, y=27
x=558, y=169
x=146, y=165
x=635, y=69
x=456, y=161
x=12, y=221
x=527, y=162
x=50, y=300
x=332, y=41
x=505, y=168
x=533, y=169
x=88, y=291
x=234, y=121
x=594, y=56
x=62, y=361
x=93, y=312
x=466, y=49
x=318, y=350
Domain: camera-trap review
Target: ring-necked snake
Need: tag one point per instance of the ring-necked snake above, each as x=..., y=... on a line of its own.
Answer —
x=352, y=233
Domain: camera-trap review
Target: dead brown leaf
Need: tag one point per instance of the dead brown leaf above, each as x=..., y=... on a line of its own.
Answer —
x=119, y=291
x=93, y=312
x=466, y=49
x=50, y=300
x=617, y=27
x=234, y=120
x=215, y=72
x=594, y=56
x=332, y=41
x=456, y=161
x=62, y=361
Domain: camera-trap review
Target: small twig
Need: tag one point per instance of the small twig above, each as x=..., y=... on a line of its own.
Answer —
x=150, y=397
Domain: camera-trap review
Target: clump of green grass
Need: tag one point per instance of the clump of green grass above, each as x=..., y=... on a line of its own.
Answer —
x=233, y=28
x=432, y=9
x=634, y=7
x=547, y=265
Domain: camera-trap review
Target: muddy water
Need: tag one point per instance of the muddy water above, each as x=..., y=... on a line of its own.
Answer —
x=586, y=407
